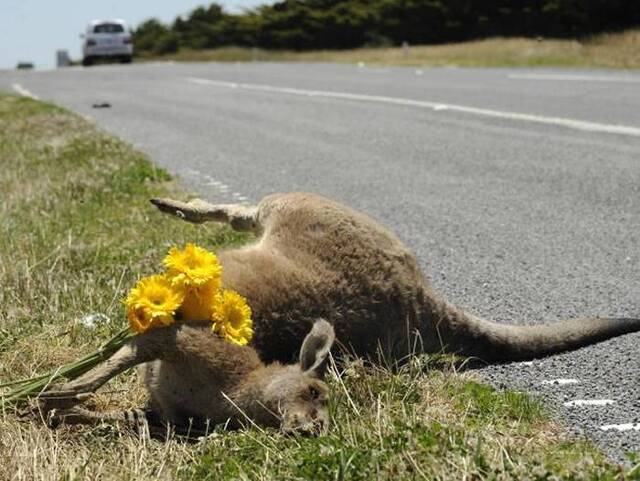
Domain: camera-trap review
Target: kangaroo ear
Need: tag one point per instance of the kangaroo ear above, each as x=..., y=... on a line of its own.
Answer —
x=314, y=353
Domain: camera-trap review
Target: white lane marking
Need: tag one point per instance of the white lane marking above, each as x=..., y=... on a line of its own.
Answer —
x=20, y=90
x=557, y=121
x=573, y=78
x=374, y=70
x=211, y=181
x=218, y=186
x=621, y=427
x=161, y=63
x=589, y=402
x=559, y=382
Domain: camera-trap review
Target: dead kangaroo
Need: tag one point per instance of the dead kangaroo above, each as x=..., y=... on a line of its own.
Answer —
x=195, y=379
x=317, y=258
x=314, y=258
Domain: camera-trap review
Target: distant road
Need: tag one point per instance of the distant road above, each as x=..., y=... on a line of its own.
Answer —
x=519, y=190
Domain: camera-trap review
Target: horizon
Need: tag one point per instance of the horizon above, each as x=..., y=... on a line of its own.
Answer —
x=33, y=30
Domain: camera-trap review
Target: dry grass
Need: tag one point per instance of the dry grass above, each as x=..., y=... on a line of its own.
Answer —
x=618, y=50
x=76, y=230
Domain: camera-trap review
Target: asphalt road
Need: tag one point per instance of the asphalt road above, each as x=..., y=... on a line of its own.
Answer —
x=518, y=190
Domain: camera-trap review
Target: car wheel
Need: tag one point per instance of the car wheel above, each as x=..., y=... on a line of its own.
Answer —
x=87, y=61
x=125, y=59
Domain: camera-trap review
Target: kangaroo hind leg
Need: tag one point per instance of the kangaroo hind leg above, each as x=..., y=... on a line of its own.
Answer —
x=240, y=217
x=135, y=418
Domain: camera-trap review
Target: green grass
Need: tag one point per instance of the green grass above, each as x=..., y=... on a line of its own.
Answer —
x=76, y=226
x=76, y=230
x=414, y=424
x=618, y=50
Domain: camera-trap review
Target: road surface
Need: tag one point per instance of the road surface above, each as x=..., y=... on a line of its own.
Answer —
x=519, y=190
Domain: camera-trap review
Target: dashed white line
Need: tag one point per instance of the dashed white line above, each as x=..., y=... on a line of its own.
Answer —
x=20, y=90
x=436, y=106
x=221, y=187
x=621, y=427
x=589, y=402
x=211, y=181
x=374, y=70
x=239, y=197
x=574, y=78
x=559, y=382
x=161, y=63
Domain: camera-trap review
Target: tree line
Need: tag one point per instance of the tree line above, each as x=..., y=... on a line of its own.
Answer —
x=332, y=24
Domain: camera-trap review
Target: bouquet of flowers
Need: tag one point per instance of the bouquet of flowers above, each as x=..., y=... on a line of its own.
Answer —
x=190, y=289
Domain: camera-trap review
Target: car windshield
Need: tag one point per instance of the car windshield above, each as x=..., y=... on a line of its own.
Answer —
x=108, y=28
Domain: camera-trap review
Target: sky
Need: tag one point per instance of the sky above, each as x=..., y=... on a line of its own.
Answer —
x=32, y=30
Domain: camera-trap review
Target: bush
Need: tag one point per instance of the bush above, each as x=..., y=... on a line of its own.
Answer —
x=332, y=24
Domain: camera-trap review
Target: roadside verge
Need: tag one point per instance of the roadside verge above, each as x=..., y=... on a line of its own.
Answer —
x=76, y=230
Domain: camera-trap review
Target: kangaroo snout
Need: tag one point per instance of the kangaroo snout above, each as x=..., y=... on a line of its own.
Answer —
x=305, y=425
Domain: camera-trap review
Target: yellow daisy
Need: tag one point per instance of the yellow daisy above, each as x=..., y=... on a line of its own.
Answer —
x=192, y=267
x=232, y=317
x=198, y=302
x=152, y=302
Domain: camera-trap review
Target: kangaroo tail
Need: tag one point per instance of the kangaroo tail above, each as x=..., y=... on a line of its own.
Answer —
x=465, y=334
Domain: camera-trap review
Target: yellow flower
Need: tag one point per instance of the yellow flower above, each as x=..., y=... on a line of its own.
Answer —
x=152, y=302
x=198, y=302
x=232, y=317
x=192, y=267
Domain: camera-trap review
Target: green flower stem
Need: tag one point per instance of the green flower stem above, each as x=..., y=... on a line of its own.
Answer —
x=29, y=388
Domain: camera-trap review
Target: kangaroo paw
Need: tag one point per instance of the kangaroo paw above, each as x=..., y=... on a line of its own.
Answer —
x=196, y=211
x=61, y=399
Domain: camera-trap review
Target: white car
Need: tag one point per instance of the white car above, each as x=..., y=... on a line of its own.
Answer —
x=107, y=39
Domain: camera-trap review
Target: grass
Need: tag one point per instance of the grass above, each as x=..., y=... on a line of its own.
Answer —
x=616, y=50
x=75, y=232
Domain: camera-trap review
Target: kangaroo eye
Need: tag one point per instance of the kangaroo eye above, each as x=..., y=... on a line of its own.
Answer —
x=314, y=393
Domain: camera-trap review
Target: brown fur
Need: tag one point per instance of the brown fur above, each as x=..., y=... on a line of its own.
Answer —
x=318, y=258
x=314, y=258
x=195, y=378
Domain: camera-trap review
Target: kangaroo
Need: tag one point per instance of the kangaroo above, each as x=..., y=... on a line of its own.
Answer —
x=195, y=379
x=317, y=258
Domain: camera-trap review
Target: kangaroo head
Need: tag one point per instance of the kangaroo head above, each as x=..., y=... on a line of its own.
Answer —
x=297, y=394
